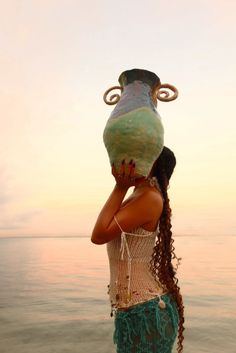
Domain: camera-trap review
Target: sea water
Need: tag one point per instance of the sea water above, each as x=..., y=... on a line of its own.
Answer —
x=53, y=295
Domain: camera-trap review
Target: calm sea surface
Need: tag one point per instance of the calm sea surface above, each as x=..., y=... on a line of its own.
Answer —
x=53, y=295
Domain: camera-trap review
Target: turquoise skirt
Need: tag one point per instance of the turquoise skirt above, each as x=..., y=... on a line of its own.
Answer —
x=146, y=328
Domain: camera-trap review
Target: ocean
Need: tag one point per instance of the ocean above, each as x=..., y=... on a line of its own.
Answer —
x=53, y=295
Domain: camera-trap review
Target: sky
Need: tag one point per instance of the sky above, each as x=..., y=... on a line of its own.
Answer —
x=58, y=58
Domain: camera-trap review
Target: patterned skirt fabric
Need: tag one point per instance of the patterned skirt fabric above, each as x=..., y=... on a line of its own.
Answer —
x=146, y=328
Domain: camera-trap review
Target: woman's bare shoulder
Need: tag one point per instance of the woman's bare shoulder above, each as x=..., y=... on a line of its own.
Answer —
x=142, y=207
x=151, y=195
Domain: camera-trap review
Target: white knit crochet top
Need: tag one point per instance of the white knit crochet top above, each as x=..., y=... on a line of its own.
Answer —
x=131, y=280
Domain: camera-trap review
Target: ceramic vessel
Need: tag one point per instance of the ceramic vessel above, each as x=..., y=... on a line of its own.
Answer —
x=134, y=130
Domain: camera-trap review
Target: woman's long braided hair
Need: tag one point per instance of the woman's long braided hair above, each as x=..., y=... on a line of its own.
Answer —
x=163, y=252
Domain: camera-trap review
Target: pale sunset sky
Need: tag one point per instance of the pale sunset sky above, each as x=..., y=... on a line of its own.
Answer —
x=57, y=59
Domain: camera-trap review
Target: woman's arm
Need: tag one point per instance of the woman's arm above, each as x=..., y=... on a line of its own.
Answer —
x=105, y=224
x=136, y=213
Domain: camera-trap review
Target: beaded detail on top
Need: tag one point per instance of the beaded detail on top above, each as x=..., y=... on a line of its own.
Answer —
x=131, y=280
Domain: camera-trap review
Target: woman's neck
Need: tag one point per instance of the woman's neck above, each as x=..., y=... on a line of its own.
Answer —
x=148, y=182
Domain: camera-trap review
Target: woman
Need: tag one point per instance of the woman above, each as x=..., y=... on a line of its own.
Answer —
x=143, y=288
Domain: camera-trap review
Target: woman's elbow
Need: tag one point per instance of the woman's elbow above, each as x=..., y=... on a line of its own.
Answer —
x=97, y=241
x=103, y=236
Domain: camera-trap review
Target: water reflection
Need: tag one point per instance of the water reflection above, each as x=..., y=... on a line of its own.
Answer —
x=58, y=281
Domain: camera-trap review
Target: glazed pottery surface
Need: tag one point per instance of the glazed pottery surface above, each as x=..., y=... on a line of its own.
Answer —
x=134, y=130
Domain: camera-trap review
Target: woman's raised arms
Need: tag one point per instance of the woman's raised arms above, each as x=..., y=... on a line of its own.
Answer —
x=143, y=209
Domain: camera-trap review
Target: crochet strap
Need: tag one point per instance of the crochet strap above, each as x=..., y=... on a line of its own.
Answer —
x=118, y=224
x=136, y=234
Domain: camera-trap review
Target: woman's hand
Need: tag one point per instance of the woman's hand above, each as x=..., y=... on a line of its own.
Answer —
x=126, y=176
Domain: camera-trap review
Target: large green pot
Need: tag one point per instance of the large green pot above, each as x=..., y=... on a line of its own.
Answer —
x=134, y=130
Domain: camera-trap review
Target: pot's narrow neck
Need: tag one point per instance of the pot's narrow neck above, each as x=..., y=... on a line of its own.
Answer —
x=146, y=76
x=135, y=95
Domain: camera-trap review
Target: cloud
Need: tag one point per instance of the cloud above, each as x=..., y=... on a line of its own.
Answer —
x=5, y=195
x=3, y=198
x=17, y=221
x=11, y=219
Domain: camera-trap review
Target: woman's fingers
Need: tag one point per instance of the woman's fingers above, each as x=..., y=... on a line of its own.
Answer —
x=132, y=170
x=125, y=171
x=122, y=168
x=126, y=175
x=113, y=170
x=125, y=168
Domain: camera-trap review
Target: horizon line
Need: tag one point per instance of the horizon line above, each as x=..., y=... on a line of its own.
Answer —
x=88, y=236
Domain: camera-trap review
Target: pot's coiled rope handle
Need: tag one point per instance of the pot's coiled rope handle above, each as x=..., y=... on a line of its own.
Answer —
x=114, y=98
x=163, y=95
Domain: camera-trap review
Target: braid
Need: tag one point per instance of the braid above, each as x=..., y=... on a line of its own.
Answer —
x=163, y=254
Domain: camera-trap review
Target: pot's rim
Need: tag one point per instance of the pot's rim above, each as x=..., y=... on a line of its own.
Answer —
x=129, y=76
